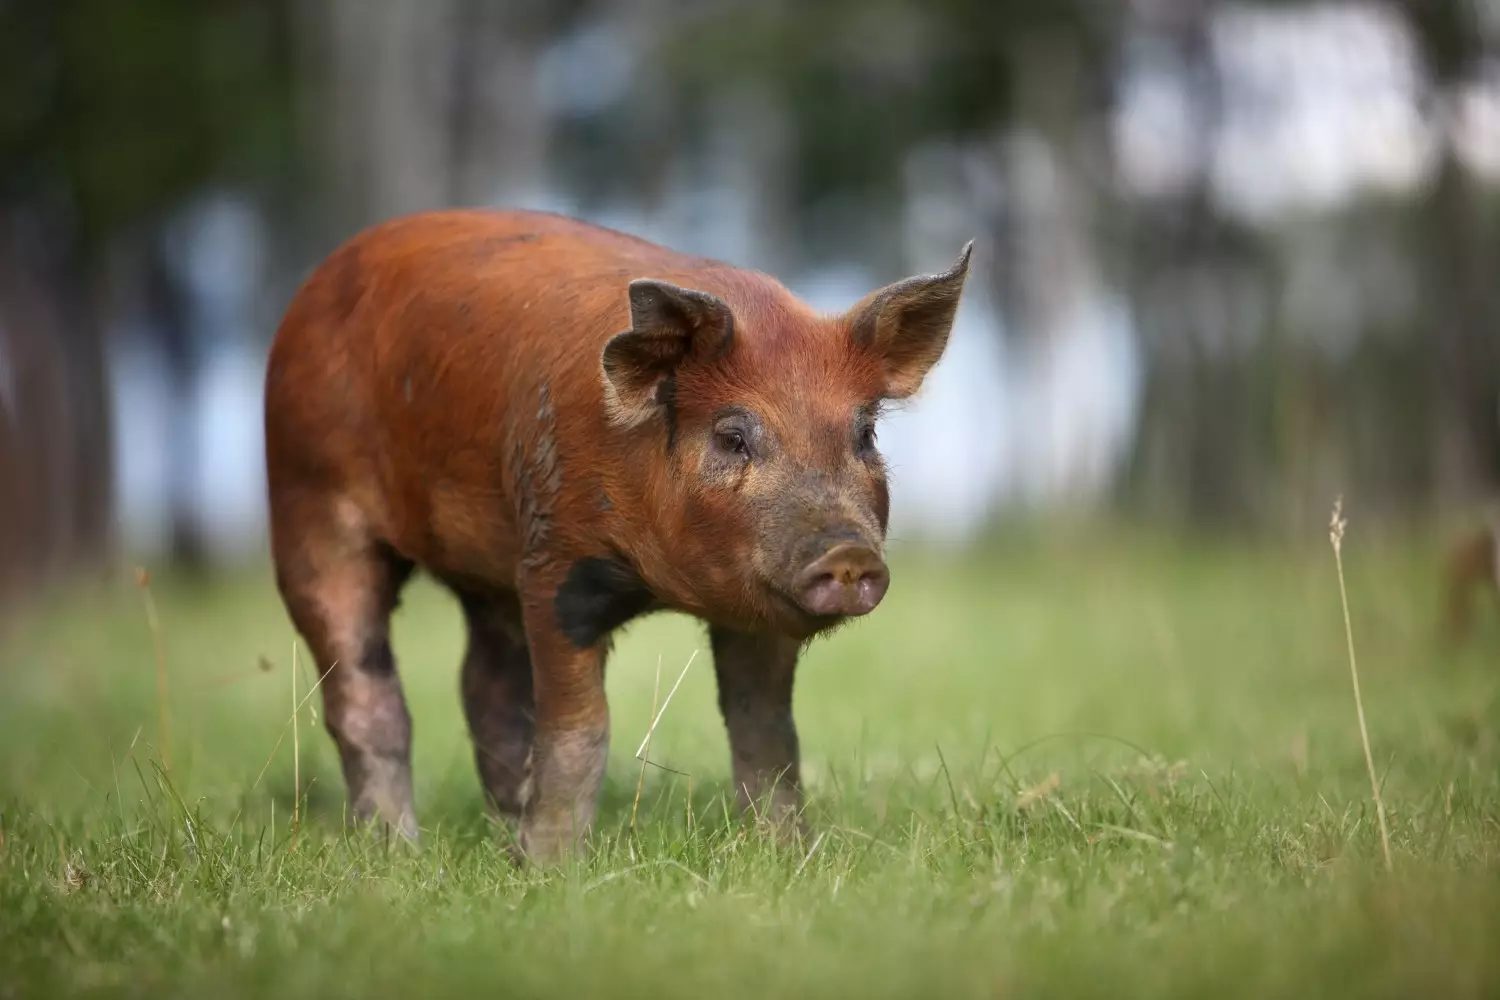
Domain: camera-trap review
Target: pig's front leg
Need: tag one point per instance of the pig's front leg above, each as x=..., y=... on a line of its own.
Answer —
x=755, y=673
x=571, y=738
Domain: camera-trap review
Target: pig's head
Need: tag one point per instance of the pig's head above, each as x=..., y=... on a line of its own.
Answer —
x=771, y=509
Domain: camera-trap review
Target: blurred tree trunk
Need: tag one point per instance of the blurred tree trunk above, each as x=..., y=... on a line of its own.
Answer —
x=1461, y=239
x=432, y=104
x=56, y=434
x=1199, y=452
x=1187, y=270
x=166, y=317
x=1049, y=270
x=376, y=114
x=1462, y=273
x=497, y=122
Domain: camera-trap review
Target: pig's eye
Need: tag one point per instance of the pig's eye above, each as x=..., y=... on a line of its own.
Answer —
x=732, y=441
x=866, y=440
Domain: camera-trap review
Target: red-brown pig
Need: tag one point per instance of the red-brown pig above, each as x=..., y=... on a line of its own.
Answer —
x=570, y=427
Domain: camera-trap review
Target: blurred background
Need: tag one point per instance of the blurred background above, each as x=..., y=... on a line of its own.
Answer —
x=1232, y=258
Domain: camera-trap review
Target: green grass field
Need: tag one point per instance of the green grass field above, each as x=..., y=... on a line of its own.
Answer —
x=1070, y=767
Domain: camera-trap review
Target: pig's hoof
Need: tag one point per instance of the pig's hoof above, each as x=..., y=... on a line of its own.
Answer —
x=379, y=822
x=546, y=844
x=406, y=828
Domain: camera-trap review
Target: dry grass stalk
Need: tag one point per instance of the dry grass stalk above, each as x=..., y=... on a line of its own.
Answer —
x=1336, y=525
x=282, y=735
x=158, y=641
x=641, y=750
x=296, y=748
x=640, y=781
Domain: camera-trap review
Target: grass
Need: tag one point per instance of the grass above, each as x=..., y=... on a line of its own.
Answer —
x=1076, y=766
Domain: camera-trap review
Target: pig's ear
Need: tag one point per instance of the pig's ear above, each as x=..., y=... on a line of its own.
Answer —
x=668, y=325
x=907, y=324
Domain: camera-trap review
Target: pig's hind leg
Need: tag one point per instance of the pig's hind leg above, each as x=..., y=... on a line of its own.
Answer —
x=340, y=589
x=497, y=697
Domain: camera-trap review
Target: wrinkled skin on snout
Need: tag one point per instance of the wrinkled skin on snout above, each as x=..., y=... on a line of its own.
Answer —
x=778, y=490
x=569, y=427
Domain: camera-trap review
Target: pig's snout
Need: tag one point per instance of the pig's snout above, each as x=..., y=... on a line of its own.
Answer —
x=848, y=579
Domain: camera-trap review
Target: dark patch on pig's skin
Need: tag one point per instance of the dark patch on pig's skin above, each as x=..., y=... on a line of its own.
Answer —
x=599, y=595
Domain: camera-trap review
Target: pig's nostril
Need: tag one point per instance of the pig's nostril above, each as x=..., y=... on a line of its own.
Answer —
x=849, y=579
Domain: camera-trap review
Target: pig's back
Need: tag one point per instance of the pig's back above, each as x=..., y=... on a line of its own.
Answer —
x=417, y=361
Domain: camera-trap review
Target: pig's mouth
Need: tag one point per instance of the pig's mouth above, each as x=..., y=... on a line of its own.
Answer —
x=795, y=620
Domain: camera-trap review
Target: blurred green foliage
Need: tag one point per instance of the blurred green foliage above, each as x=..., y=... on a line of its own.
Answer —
x=114, y=112
x=863, y=82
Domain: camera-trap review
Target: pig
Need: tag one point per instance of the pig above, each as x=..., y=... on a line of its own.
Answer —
x=569, y=427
